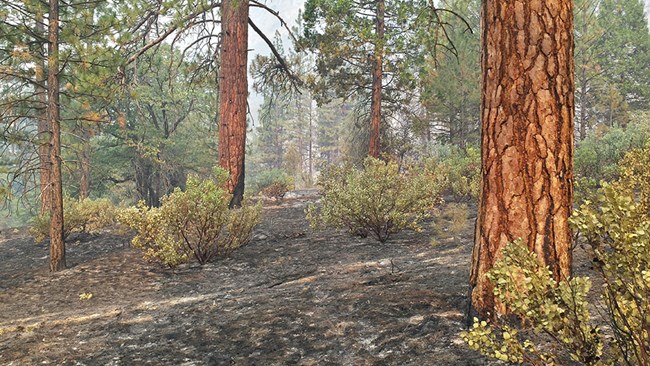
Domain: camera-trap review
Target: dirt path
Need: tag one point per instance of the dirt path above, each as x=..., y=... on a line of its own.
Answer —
x=290, y=297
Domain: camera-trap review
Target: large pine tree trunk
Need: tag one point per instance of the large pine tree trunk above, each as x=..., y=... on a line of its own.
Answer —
x=377, y=74
x=233, y=93
x=526, y=137
x=57, y=245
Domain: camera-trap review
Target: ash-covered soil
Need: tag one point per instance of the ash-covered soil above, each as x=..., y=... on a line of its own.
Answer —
x=290, y=297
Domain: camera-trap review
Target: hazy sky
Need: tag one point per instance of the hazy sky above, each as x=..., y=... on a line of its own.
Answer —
x=268, y=23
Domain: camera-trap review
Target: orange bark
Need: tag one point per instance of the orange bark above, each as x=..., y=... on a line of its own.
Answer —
x=233, y=94
x=527, y=109
x=57, y=245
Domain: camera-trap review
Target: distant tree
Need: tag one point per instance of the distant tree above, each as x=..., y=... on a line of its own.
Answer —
x=624, y=50
x=526, y=138
x=358, y=46
x=589, y=73
x=449, y=82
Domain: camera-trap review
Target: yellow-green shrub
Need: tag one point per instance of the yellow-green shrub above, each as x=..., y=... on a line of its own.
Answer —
x=273, y=183
x=195, y=223
x=618, y=230
x=376, y=201
x=553, y=312
x=79, y=216
x=461, y=169
x=634, y=172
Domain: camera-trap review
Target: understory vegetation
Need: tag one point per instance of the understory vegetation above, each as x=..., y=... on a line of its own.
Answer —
x=89, y=216
x=192, y=224
x=557, y=323
x=528, y=119
x=378, y=200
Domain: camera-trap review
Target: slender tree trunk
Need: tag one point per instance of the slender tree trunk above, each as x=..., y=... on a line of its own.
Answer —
x=311, y=143
x=377, y=73
x=43, y=124
x=583, y=91
x=583, y=108
x=526, y=138
x=233, y=94
x=57, y=245
x=84, y=162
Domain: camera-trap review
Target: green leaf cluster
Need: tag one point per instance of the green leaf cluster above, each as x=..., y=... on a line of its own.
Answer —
x=79, y=216
x=461, y=170
x=615, y=223
x=553, y=312
x=597, y=157
x=195, y=223
x=378, y=200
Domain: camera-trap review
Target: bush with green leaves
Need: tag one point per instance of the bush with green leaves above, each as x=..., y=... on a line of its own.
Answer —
x=635, y=175
x=378, y=200
x=462, y=170
x=597, y=157
x=195, y=223
x=79, y=216
x=559, y=328
x=272, y=183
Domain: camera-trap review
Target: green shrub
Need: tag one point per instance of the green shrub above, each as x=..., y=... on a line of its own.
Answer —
x=79, y=216
x=561, y=328
x=376, y=201
x=195, y=223
x=462, y=170
x=272, y=183
x=597, y=156
x=635, y=175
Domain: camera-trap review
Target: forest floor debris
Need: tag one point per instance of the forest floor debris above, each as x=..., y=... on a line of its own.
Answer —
x=290, y=297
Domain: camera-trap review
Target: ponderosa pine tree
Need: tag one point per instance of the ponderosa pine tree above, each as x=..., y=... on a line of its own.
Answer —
x=57, y=244
x=233, y=94
x=358, y=45
x=526, y=138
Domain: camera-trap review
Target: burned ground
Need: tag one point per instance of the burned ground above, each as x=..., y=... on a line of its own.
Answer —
x=290, y=297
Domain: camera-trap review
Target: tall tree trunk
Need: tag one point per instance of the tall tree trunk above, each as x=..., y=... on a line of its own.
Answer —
x=233, y=94
x=583, y=107
x=583, y=91
x=311, y=144
x=43, y=123
x=527, y=111
x=57, y=245
x=84, y=162
x=377, y=73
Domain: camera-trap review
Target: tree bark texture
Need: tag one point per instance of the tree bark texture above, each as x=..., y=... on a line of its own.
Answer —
x=233, y=94
x=57, y=245
x=527, y=110
x=377, y=74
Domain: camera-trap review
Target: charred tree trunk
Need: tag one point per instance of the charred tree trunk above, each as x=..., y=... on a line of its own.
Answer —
x=57, y=245
x=377, y=74
x=233, y=94
x=527, y=111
